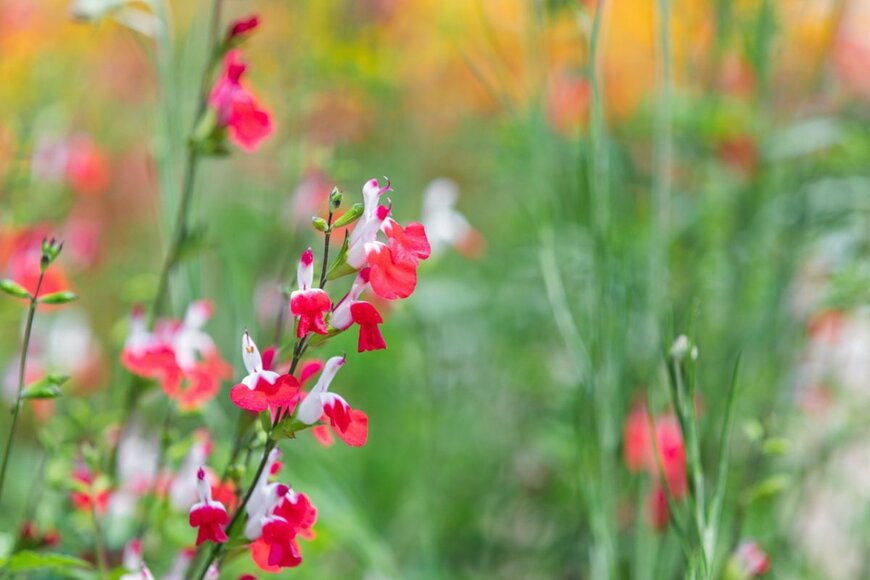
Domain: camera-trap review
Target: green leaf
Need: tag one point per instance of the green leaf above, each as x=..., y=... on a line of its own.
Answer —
x=61, y=297
x=13, y=288
x=27, y=560
x=48, y=387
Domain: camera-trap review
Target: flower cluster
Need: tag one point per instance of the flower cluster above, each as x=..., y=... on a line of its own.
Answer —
x=276, y=515
x=178, y=354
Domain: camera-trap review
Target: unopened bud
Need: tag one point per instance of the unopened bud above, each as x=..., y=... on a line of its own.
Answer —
x=349, y=216
x=335, y=199
x=319, y=224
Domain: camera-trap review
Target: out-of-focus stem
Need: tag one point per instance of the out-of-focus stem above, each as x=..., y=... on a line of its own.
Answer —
x=100, y=544
x=21, y=373
x=662, y=166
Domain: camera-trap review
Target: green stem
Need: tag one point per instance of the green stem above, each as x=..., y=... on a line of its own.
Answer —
x=663, y=160
x=31, y=313
x=100, y=544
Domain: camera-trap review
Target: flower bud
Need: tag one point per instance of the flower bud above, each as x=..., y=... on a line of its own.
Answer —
x=319, y=224
x=335, y=199
x=349, y=216
x=58, y=297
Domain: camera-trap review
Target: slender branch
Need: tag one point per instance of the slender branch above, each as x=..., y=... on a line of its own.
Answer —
x=31, y=313
x=100, y=544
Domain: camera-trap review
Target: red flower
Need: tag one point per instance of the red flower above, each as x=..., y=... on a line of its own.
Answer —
x=237, y=108
x=310, y=306
x=208, y=515
x=368, y=319
x=389, y=278
x=640, y=454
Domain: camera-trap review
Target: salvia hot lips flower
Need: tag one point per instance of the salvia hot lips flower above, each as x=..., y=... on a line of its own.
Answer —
x=178, y=354
x=236, y=107
x=350, y=425
x=309, y=304
x=209, y=515
x=262, y=389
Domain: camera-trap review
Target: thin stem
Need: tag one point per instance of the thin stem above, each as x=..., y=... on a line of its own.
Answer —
x=179, y=234
x=21, y=372
x=326, y=237
x=100, y=544
x=216, y=550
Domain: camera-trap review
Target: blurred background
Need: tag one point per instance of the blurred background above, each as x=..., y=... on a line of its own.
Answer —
x=719, y=188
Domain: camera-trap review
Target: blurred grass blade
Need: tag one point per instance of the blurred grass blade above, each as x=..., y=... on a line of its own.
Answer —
x=724, y=457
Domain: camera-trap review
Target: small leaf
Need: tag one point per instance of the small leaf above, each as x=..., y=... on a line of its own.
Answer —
x=62, y=297
x=48, y=387
x=27, y=560
x=13, y=288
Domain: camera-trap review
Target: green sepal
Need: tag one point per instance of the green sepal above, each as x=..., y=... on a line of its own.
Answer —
x=340, y=267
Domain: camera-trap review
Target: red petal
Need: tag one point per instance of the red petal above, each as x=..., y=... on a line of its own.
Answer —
x=365, y=313
x=249, y=400
x=391, y=280
x=357, y=431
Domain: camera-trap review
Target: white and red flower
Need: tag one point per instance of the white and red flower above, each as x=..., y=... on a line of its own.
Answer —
x=209, y=515
x=309, y=304
x=262, y=388
x=350, y=425
x=180, y=355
